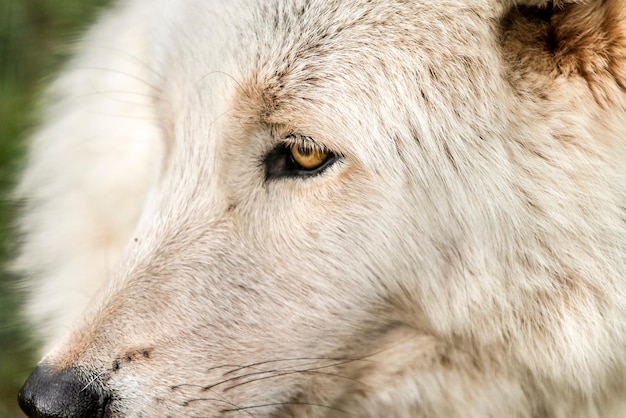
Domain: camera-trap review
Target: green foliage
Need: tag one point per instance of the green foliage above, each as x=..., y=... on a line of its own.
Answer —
x=34, y=39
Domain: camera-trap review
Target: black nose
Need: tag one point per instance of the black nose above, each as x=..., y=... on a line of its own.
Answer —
x=61, y=394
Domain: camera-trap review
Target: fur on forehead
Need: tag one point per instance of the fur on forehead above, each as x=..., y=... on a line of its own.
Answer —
x=301, y=82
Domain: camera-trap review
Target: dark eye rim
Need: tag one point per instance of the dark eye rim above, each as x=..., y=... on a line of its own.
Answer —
x=279, y=163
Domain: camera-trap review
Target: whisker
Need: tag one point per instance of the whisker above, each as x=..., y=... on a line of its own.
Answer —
x=225, y=74
x=236, y=407
x=260, y=363
x=97, y=376
x=223, y=367
x=181, y=385
x=134, y=77
x=290, y=403
x=290, y=372
x=126, y=54
x=111, y=92
x=236, y=378
x=220, y=397
x=340, y=376
x=281, y=372
x=338, y=360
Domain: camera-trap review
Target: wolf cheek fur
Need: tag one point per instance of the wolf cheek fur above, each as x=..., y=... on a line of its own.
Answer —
x=462, y=253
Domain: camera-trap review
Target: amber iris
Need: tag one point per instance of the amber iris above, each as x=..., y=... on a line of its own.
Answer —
x=309, y=158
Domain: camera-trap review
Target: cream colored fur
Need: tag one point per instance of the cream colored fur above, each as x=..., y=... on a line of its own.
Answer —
x=464, y=257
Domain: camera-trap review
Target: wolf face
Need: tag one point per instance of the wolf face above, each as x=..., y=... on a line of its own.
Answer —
x=329, y=209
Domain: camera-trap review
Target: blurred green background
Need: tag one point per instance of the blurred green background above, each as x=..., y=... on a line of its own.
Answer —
x=35, y=39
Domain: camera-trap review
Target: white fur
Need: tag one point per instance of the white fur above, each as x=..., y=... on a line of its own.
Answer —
x=466, y=254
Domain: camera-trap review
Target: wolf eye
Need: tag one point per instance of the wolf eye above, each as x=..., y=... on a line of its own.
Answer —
x=308, y=158
x=300, y=158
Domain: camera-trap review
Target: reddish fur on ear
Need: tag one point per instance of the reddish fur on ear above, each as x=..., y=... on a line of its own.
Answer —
x=574, y=39
x=590, y=39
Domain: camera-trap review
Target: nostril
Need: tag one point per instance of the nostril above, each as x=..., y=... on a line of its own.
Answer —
x=61, y=394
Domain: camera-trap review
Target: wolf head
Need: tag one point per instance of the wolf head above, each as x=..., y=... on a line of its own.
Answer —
x=320, y=209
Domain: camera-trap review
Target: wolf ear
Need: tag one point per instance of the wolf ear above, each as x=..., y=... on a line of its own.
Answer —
x=560, y=38
x=540, y=3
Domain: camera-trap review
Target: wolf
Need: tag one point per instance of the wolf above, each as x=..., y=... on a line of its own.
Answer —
x=318, y=209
